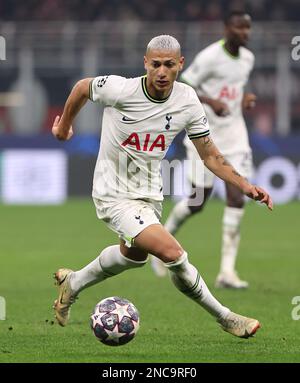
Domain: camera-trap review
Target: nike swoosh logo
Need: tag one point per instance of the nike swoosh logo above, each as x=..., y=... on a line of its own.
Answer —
x=126, y=119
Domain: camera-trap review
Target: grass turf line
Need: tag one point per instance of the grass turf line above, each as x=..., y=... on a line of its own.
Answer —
x=36, y=241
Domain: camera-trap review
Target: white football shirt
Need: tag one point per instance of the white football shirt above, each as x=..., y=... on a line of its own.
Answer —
x=217, y=74
x=137, y=131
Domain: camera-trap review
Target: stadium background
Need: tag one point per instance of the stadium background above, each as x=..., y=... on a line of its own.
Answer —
x=51, y=44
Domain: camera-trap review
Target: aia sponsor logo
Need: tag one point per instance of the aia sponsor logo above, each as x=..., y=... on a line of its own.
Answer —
x=228, y=93
x=147, y=143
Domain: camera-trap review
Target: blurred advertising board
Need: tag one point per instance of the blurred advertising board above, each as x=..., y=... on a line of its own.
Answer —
x=33, y=176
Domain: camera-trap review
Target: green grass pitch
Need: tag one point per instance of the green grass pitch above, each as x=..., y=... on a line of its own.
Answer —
x=36, y=241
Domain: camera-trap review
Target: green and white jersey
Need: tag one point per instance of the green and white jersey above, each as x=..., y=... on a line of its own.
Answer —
x=137, y=131
x=217, y=74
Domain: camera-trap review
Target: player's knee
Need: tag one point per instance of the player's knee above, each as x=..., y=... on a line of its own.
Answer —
x=170, y=253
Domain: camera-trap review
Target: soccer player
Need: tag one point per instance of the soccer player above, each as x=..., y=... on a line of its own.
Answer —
x=142, y=116
x=219, y=73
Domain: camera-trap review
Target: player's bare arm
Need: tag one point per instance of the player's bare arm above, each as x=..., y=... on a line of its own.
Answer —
x=216, y=162
x=62, y=126
x=220, y=108
x=249, y=101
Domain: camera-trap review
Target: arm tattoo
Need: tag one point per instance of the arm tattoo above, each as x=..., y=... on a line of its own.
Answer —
x=236, y=173
x=225, y=162
x=207, y=141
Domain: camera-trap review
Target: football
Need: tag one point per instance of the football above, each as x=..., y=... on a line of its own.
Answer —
x=115, y=321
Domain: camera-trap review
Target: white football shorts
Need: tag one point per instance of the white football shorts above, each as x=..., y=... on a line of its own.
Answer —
x=128, y=217
x=203, y=177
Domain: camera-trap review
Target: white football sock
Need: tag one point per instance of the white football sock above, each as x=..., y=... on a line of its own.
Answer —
x=187, y=279
x=231, y=238
x=109, y=263
x=177, y=216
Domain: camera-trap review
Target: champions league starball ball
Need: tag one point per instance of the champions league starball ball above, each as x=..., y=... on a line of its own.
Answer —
x=115, y=321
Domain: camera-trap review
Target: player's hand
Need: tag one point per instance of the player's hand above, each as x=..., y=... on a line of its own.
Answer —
x=220, y=108
x=259, y=194
x=60, y=133
x=249, y=101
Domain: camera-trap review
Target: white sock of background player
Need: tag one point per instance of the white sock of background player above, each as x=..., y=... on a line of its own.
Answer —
x=231, y=238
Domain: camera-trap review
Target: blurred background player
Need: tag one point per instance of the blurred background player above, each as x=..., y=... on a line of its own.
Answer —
x=219, y=74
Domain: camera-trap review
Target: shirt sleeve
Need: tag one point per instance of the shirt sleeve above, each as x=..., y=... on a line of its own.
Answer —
x=106, y=89
x=198, y=125
x=199, y=70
